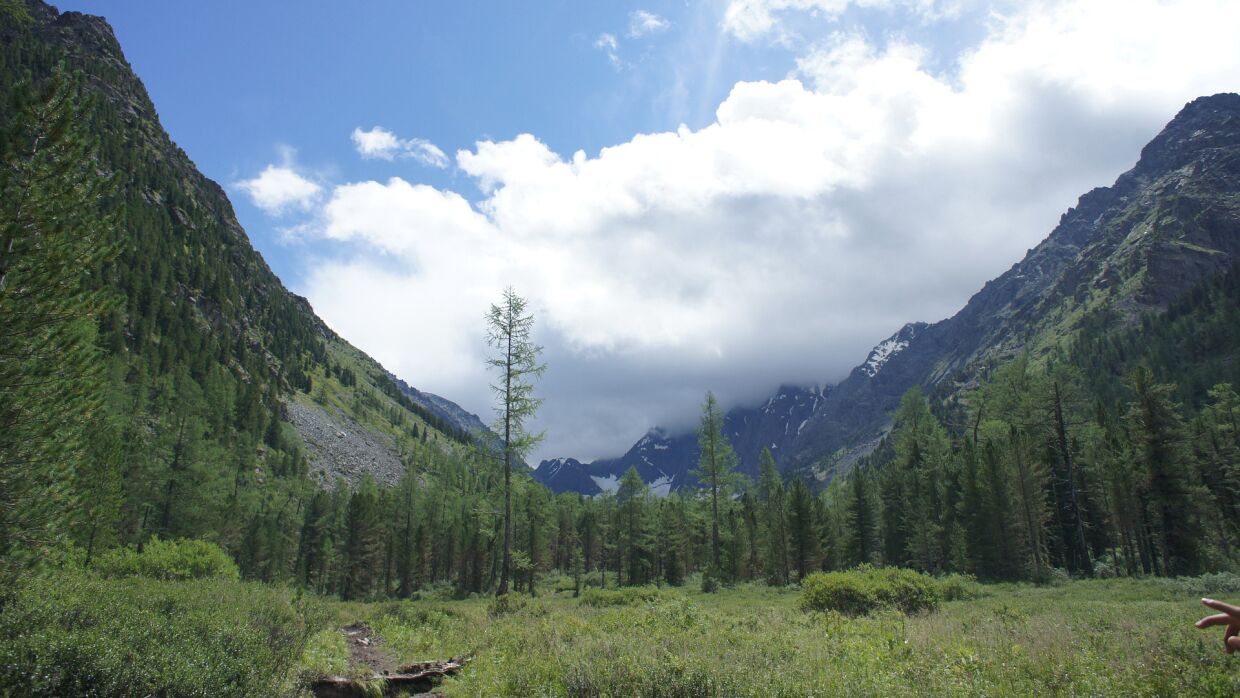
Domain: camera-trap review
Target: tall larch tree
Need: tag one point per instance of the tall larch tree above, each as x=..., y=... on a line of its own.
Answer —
x=509, y=333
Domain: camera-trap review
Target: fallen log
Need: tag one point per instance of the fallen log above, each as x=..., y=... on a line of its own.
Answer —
x=420, y=677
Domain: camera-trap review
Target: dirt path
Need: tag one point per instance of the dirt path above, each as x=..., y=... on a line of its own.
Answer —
x=364, y=649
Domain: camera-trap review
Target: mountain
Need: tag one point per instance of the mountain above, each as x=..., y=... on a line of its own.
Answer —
x=664, y=460
x=1164, y=227
x=452, y=415
x=1123, y=253
x=203, y=330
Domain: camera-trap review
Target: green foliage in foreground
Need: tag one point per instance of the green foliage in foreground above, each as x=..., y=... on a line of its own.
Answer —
x=866, y=589
x=73, y=635
x=627, y=596
x=1098, y=637
x=170, y=560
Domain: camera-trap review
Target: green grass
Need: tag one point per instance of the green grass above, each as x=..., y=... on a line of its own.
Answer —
x=75, y=635
x=72, y=634
x=1112, y=637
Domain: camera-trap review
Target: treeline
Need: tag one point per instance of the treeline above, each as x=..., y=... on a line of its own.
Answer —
x=1042, y=478
x=1040, y=482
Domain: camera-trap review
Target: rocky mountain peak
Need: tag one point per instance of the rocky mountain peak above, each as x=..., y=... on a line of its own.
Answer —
x=1203, y=124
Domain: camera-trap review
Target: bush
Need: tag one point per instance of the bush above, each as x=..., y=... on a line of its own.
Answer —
x=560, y=583
x=960, y=587
x=70, y=634
x=173, y=560
x=627, y=596
x=1104, y=570
x=504, y=605
x=1053, y=576
x=710, y=581
x=1218, y=583
x=846, y=592
x=865, y=589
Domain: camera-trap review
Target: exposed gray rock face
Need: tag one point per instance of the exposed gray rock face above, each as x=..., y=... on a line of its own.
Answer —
x=340, y=448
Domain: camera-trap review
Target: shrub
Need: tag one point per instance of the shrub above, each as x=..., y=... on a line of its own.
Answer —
x=907, y=590
x=846, y=592
x=70, y=634
x=504, y=605
x=627, y=596
x=1217, y=583
x=171, y=560
x=710, y=581
x=960, y=587
x=678, y=612
x=560, y=583
x=1053, y=576
x=1104, y=570
x=865, y=589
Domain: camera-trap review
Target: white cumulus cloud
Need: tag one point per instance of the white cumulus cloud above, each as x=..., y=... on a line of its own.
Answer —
x=280, y=188
x=813, y=217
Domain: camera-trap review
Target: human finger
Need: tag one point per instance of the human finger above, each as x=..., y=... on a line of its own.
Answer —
x=1211, y=621
x=1220, y=606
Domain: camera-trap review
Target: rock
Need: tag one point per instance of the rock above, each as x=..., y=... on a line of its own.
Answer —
x=340, y=448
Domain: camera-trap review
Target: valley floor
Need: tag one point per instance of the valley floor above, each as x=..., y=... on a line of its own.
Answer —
x=1103, y=637
x=70, y=633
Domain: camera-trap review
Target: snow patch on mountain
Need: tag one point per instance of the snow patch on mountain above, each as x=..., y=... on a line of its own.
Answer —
x=611, y=483
x=888, y=348
x=662, y=486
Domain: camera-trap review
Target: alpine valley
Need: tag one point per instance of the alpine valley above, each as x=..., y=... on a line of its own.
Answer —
x=1116, y=261
x=205, y=490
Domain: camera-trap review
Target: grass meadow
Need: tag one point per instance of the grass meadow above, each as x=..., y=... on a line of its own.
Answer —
x=1081, y=638
x=73, y=634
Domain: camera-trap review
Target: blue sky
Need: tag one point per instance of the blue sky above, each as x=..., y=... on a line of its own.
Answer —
x=765, y=189
x=236, y=82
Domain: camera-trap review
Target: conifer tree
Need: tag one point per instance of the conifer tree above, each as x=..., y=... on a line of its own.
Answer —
x=674, y=538
x=363, y=549
x=632, y=500
x=863, y=519
x=714, y=470
x=802, y=528
x=774, y=518
x=1158, y=431
x=1061, y=391
x=1217, y=437
x=509, y=333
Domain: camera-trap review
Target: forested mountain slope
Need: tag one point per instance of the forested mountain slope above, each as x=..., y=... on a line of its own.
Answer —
x=230, y=398
x=1123, y=252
